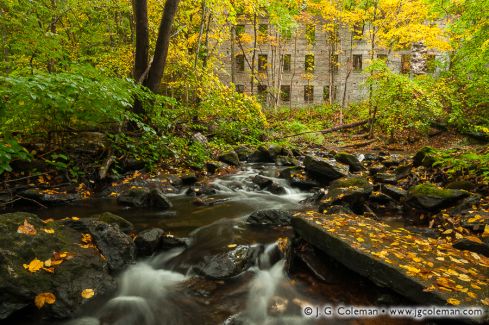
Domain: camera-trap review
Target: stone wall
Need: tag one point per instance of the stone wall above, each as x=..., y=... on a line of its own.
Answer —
x=298, y=47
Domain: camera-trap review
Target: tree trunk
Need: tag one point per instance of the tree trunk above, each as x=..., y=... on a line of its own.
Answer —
x=140, y=8
x=161, y=50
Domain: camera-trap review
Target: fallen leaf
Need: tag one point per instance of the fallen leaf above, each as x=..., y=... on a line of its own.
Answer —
x=48, y=230
x=485, y=301
x=360, y=239
x=34, y=266
x=44, y=298
x=232, y=245
x=27, y=229
x=88, y=293
x=453, y=301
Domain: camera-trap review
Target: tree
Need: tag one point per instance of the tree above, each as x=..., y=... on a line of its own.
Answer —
x=155, y=69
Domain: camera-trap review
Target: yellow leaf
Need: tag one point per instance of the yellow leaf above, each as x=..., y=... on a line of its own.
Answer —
x=232, y=245
x=48, y=230
x=75, y=218
x=34, y=266
x=485, y=301
x=360, y=239
x=486, y=231
x=464, y=277
x=453, y=301
x=27, y=229
x=88, y=293
x=44, y=298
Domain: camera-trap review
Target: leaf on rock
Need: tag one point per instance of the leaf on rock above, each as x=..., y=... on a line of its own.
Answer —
x=232, y=245
x=88, y=293
x=27, y=229
x=44, y=298
x=34, y=266
x=48, y=230
x=453, y=301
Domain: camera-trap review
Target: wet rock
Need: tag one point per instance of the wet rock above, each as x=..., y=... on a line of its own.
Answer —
x=425, y=157
x=230, y=158
x=189, y=179
x=286, y=161
x=337, y=209
x=110, y=218
x=315, y=198
x=391, y=161
x=213, y=166
x=375, y=169
x=117, y=247
x=352, y=192
x=168, y=241
x=208, y=201
x=475, y=221
x=432, y=198
x=49, y=198
x=229, y=264
x=201, y=189
x=144, y=198
x=174, y=180
x=262, y=181
x=148, y=241
x=394, y=192
x=304, y=184
x=18, y=287
x=325, y=170
x=350, y=160
x=314, y=260
x=465, y=205
x=271, y=217
x=276, y=189
x=385, y=178
x=379, y=197
x=243, y=153
x=461, y=185
x=472, y=244
x=403, y=171
x=290, y=172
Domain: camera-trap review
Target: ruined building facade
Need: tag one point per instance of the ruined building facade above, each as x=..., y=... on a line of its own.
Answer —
x=307, y=68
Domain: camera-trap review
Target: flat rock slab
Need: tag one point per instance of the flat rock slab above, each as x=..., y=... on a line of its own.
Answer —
x=425, y=270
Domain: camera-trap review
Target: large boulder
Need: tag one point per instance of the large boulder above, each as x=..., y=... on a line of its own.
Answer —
x=229, y=264
x=230, y=158
x=82, y=266
x=117, y=247
x=350, y=160
x=48, y=198
x=432, y=198
x=424, y=157
x=110, y=218
x=270, y=217
x=148, y=241
x=351, y=192
x=325, y=170
x=144, y=198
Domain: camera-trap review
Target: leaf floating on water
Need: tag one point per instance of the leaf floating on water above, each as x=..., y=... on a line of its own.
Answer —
x=88, y=293
x=34, y=266
x=27, y=229
x=232, y=245
x=44, y=298
x=453, y=301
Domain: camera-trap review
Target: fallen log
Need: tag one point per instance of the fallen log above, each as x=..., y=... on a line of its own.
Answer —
x=330, y=130
x=358, y=144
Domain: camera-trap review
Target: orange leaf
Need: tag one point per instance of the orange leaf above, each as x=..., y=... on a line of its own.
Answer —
x=453, y=301
x=88, y=293
x=27, y=229
x=44, y=298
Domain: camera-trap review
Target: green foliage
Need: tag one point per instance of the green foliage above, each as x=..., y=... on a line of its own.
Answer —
x=47, y=103
x=403, y=103
x=465, y=164
x=11, y=150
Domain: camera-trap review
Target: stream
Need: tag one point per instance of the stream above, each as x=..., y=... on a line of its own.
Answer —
x=163, y=289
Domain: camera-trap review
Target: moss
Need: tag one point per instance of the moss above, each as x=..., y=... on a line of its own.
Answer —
x=432, y=191
x=349, y=182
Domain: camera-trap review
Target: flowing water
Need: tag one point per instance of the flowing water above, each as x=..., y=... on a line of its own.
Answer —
x=163, y=289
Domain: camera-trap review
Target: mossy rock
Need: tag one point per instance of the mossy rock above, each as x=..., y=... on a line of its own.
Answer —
x=433, y=198
x=350, y=160
x=425, y=157
x=110, y=218
x=19, y=287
